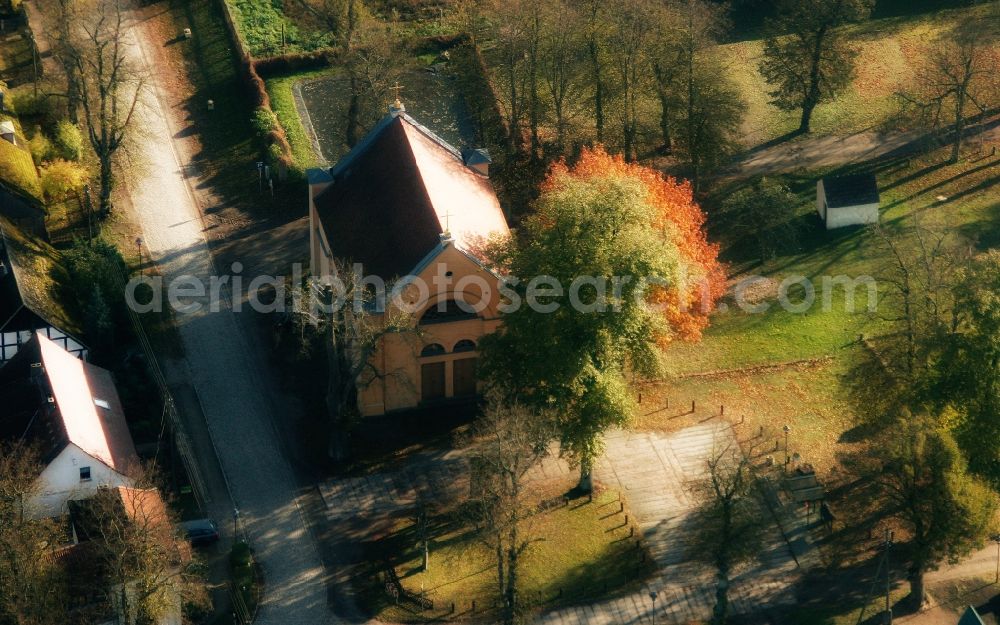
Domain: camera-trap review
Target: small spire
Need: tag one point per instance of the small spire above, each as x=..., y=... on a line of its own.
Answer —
x=397, y=105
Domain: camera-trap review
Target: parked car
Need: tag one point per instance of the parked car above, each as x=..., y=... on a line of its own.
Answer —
x=201, y=531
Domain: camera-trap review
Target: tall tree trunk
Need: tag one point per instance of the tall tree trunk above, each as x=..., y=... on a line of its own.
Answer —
x=664, y=97
x=586, y=483
x=959, y=129
x=107, y=184
x=813, y=93
x=916, y=579
x=510, y=598
x=595, y=61
x=533, y=100
x=720, y=613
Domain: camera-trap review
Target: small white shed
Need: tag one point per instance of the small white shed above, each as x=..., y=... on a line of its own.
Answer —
x=847, y=200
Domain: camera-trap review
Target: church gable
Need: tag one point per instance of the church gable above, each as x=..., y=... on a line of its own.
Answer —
x=392, y=197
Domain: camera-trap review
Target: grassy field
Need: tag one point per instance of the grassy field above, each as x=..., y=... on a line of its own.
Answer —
x=281, y=90
x=745, y=351
x=890, y=53
x=271, y=28
x=579, y=552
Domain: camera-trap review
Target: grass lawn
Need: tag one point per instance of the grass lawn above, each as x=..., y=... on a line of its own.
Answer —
x=269, y=29
x=281, y=90
x=742, y=348
x=580, y=550
x=890, y=53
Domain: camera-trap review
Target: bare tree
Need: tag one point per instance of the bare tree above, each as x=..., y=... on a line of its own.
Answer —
x=916, y=300
x=729, y=520
x=561, y=63
x=959, y=80
x=630, y=31
x=597, y=37
x=131, y=535
x=32, y=588
x=63, y=50
x=512, y=441
x=111, y=85
x=373, y=61
x=352, y=322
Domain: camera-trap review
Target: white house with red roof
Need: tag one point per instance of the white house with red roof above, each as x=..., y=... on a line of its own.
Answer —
x=406, y=204
x=71, y=410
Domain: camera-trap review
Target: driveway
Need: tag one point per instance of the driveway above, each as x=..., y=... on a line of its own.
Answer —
x=227, y=375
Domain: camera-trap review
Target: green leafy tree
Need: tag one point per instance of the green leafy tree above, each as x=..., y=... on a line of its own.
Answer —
x=69, y=139
x=597, y=225
x=764, y=212
x=95, y=284
x=806, y=59
x=969, y=371
x=946, y=512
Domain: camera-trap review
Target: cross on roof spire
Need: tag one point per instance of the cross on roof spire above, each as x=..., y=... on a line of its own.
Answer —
x=447, y=222
x=396, y=88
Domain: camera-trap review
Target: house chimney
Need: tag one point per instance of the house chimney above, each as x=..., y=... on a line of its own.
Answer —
x=477, y=159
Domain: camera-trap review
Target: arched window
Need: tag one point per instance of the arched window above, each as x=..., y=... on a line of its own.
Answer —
x=465, y=345
x=434, y=349
x=448, y=310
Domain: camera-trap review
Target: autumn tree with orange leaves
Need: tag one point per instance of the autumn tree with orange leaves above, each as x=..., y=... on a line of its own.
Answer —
x=612, y=265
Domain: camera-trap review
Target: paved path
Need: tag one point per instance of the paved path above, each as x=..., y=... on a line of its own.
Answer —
x=812, y=153
x=227, y=380
x=653, y=472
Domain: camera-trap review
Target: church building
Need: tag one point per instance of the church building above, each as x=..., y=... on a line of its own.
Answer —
x=407, y=205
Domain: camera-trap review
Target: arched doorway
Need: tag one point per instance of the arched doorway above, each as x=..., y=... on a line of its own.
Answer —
x=432, y=374
x=464, y=370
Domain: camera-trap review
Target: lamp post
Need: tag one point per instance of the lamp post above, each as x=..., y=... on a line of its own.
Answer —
x=996, y=537
x=236, y=520
x=652, y=596
x=138, y=245
x=786, y=429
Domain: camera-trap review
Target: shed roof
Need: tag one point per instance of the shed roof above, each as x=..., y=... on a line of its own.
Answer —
x=397, y=191
x=851, y=190
x=970, y=617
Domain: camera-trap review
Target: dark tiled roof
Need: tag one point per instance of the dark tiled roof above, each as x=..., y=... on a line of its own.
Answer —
x=852, y=190
x=395, y=193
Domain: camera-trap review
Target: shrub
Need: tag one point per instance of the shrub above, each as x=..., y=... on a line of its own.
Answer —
x=60, y=178
x=25, y=102
x=275, y=154
x=69, y=139
x=40, y=147
x=95, y=270
x=18, y=171
x=263, y=121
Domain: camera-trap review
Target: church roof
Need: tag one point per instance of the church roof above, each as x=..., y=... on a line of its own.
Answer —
x=397, y=191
